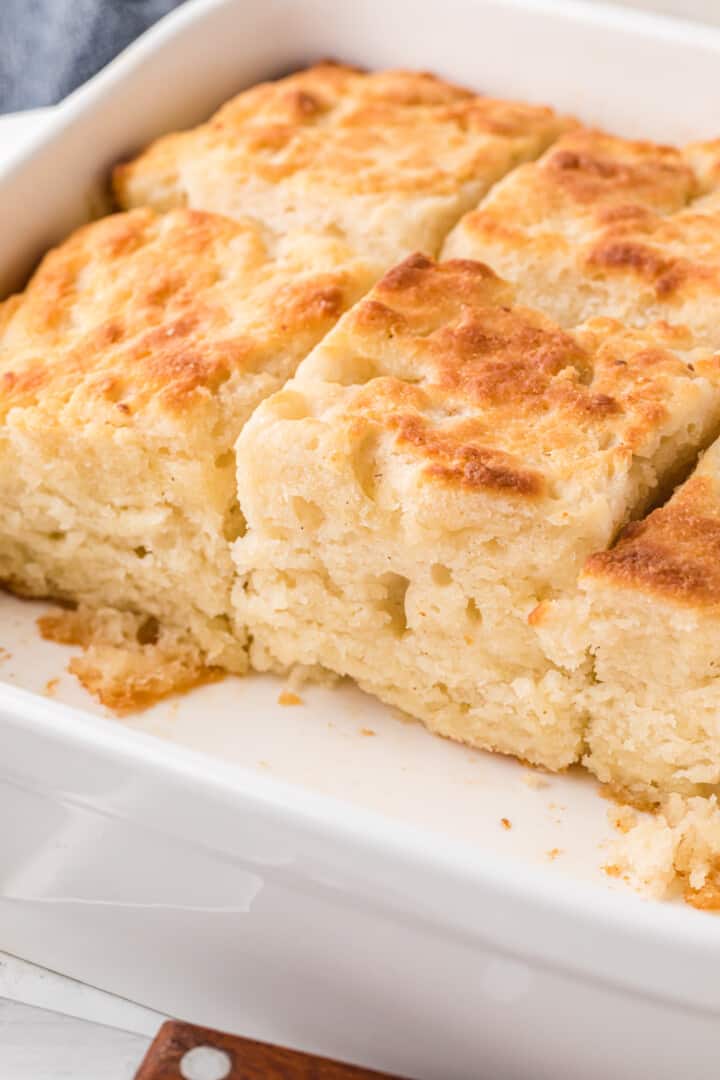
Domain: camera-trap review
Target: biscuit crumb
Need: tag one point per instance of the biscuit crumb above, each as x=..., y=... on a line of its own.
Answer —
x=674, y=852
x=51, y=686
x=287, y=697
x=613, y=870
x=367, y=731
x=4, y=654
x=553, y=853
x=129, y=662
x=506, y=823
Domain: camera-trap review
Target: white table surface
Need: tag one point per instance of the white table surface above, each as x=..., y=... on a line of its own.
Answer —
x=47, y=1046
x=37, y=1045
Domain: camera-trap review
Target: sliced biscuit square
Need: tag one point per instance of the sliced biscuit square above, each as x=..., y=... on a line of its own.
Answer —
x=607, y=226
x=648, y=610
x=442, y=465
x=127, y=369
x=386, y=161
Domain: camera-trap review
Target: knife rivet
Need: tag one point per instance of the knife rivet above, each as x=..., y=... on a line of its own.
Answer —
x=205, y=1063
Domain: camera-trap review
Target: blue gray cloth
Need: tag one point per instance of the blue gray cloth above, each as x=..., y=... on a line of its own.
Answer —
x=48, y=47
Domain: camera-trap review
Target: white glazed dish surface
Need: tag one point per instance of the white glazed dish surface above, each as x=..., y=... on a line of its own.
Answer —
x=168, y=875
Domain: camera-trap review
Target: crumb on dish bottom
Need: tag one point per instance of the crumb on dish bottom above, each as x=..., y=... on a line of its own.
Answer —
x=674, y=852
x=129, y=661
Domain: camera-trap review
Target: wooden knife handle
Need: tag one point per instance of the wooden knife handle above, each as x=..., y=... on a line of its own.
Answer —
x=245, y=1059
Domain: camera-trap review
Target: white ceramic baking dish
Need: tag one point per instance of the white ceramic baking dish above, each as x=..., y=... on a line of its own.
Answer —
x=276, y=871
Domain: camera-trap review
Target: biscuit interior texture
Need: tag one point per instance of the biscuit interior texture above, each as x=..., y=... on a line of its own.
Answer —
x=127, y=369
x=649, y=609
x=606, y=226
x=438, y=470
x=386, y=161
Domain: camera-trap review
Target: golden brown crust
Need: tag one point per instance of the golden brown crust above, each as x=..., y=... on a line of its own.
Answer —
x=145, y=680
x=612, y=210
x=591, y=177
x=648, y=254
x=456, y=461
x=601, y=172
x=358, y=133
x=140, y=310
x=675, y=551
x=133, y=692
x=496, y=397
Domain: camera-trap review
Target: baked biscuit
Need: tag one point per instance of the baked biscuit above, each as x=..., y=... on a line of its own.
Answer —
x=386, y=161
x=441, y=464
x=606, y=226
x=127, y=369
x=649, y=610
